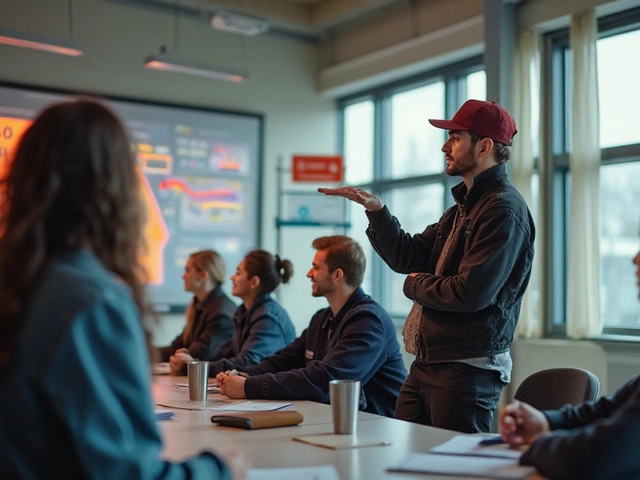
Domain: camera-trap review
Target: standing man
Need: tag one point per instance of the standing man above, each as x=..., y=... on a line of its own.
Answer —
x=466, y=275
x=353, y=339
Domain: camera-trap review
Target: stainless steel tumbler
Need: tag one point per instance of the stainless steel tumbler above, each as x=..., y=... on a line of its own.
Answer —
x=198, y=378
x=344, y=396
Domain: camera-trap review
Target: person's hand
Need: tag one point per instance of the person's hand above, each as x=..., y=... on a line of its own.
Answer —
x=237, y=463
x=232, y=385
x=366, y=199
x=177, y=360
x=520, y=424
x=220, y=377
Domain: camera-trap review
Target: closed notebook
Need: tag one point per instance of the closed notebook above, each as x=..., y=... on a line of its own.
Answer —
x=256, y=420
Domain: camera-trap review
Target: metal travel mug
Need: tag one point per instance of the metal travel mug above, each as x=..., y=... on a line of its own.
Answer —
x=344, y=396
x=198, y=378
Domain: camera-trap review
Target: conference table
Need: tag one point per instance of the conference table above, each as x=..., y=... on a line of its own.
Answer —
x=190, y=432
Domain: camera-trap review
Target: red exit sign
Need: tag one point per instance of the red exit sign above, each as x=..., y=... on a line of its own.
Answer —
x=317, y=168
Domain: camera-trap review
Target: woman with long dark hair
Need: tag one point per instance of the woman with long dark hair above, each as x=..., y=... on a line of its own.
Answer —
x=262, y=326
x=75, y=398
x=209, y=315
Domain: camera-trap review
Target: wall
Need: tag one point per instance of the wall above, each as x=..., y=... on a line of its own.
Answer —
x=410, y=38
x=118, y=37
x=613, y=362
x=413, y=37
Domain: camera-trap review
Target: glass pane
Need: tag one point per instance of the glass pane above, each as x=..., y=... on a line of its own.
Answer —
x=359, y=224
x=415, y=207
x=617, y=89
x=619, y=244
x=534, y=281
x=415, y=144
x=358, y=143
x=477, y=86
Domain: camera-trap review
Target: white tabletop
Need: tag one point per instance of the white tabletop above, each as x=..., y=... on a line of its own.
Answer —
x=192, y=431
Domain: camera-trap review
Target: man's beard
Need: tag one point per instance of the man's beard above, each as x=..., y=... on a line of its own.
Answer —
x=463, y=164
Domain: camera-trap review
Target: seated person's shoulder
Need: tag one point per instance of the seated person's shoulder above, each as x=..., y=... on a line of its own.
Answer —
x=368, y=309
x=81, y=280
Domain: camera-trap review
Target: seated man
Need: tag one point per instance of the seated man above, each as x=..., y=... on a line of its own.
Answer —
x=353, y=339
x=597, y=440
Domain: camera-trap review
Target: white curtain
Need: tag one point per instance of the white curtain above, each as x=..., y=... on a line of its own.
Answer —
x=584, y=318
x=526, y=113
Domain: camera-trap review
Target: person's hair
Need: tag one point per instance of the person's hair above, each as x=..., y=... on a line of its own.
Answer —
x=204, y=261
x=270, y=269
x=71, y=184
x=344, y=253
x=211, y=262
x=501, y=152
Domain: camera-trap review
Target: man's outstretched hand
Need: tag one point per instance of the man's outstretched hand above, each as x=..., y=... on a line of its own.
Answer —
x=366, y=199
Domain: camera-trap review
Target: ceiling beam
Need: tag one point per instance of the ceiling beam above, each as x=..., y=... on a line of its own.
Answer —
x=329, y=13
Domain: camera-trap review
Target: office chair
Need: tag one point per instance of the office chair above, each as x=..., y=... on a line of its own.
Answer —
x=552, y=388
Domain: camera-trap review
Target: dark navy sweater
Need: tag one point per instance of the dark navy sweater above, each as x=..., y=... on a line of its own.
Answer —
x=595, y=440
x=359, y=343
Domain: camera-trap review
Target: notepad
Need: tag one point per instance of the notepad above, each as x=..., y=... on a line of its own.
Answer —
x=258, y=420
x=499, y=468
x=340, y=442
x=470, y=445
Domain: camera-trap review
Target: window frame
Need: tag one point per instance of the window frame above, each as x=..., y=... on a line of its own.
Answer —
x=557, y=82
x=453, y=76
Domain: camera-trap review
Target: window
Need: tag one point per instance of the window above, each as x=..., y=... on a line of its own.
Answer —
x=412, y=206
x=619, y=99
x=412, y=143
x=358, y=144
x=477, y=85
x=618, y=89
x=391, y=150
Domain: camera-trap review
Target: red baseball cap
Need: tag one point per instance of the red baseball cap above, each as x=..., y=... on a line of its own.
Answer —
x=484, y=118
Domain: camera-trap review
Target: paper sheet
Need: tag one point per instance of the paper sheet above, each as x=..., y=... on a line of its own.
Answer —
x=183, y=387
x=322, y=472
x=161, y=368
x=469, y=445
x=188, y=405
x=250, y=406
x=500, y=468
x=219, y=405
x=339, y=442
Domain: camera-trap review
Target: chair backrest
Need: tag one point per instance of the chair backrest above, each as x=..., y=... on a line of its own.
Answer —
x=552, y=388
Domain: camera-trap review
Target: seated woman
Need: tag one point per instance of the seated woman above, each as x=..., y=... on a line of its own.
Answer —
x=75, y=399
x=262, y=326
x=209, y=316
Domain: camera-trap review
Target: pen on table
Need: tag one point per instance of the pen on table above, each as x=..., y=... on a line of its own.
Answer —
x=491, y=441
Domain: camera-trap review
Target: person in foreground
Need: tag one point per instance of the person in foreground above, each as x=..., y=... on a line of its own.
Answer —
x=353, y=339
x=262, y=326
x=210, y=313
x=595, y=440
x=466, y=275
x=75, y=399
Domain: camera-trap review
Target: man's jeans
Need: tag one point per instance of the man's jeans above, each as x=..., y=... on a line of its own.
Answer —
x=451, y=395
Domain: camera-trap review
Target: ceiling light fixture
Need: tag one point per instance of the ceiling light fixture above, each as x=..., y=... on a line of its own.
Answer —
x=166, y=63
x=32, y=41
x=242, y=24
